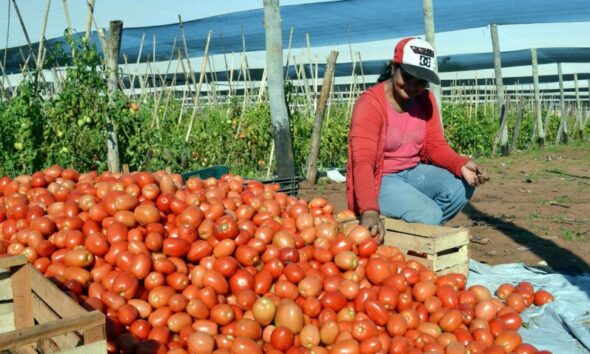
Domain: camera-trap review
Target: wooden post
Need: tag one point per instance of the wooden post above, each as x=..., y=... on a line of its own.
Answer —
x=319, y=118
x=499, y=88
x=278, y=108
x=503, y=125
x=113, y=45
x=537, y=101
x=562, y=131
x=578, y=110
x=516, y=131
x=430, y=38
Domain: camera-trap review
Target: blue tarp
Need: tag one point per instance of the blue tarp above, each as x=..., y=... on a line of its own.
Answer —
x=562, y=326
x=336, y=23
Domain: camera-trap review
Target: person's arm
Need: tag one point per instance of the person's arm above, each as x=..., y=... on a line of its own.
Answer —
x=365, y=130
x=436, y=150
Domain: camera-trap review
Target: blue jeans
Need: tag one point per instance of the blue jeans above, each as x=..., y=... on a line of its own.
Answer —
x=423, y=194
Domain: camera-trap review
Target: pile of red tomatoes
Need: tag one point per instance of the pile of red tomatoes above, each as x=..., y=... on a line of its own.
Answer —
x=234, y=266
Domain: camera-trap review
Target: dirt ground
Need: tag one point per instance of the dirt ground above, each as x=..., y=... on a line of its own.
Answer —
x=534, y=210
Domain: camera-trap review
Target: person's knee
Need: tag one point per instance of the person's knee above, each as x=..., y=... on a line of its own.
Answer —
x=432, y=216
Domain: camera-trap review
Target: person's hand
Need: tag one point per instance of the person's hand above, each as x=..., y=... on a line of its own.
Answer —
x=372, y=221
x=473, y=174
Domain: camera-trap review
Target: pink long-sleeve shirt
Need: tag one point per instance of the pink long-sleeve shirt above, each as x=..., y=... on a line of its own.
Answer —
x=369, y=157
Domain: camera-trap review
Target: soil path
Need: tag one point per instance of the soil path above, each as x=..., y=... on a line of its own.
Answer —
x=535, y=209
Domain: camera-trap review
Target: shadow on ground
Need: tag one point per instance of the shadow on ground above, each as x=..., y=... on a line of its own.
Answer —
x=558, y=258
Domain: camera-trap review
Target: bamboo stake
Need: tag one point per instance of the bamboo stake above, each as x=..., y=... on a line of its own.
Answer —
x=154, y=63
x=67, y=15
x=137, y=62
x=31, y=52
x=186, y=54
x=362, y=70
x=262, y=86
x=246, y=77
x=270, y=159
x=6, y=45
x=89, y=18
x=313, y=84
x=186, y=78
x=319, y=118
x=43, y=28
x=182, y=105
x=201, y=78
x=288, y=53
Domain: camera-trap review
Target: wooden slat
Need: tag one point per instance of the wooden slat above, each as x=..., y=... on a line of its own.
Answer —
x=7, y=262
x=99, y=347
x=95, y=334
x=459, y=268
x=43, y=314
x=22, y=297
x=24, y=336
x=6, y=317
x=59, y=302
x=5, y=288
x=415, y=229
x=423, y=238
x=448, y=260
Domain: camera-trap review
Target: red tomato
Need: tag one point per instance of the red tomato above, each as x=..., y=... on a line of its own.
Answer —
x=225, y=227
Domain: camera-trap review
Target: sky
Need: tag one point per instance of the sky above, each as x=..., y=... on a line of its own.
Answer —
x=140, y=13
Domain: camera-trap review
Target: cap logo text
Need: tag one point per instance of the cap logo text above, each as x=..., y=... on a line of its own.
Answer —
x=425, y=61
x=423, y=51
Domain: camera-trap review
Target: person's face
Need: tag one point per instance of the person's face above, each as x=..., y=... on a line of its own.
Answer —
x=406, y=86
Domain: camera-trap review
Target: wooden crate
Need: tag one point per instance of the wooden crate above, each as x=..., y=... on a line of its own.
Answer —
x=36, y=316
x=442, y=249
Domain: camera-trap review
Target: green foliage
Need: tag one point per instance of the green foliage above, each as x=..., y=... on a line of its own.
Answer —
x=470, y=131
x=70, y=128
x=21, y=131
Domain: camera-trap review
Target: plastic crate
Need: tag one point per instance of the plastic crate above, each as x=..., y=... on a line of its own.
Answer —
x=213, y=171
x=289, y=185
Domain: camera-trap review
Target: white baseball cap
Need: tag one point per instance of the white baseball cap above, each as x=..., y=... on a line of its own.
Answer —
x=417, y=57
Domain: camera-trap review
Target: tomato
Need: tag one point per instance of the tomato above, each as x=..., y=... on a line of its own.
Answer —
x=423, y=290
x=363, y=329
x=125, y=284
x=290, y=315
x=542, y=297
x=200, y=342
x=376, y=312
x=282, y=338
x=225, y=227
x=334, y=300
x=377, y=270
x=175, y=247
x=508, y=340
x=504, y=290
x=448, y=296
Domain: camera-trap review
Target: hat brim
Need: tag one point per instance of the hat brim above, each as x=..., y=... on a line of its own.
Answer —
x=421, y=73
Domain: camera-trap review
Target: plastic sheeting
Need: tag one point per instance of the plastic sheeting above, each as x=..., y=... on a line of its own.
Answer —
x=562, y=326
x=330, y=24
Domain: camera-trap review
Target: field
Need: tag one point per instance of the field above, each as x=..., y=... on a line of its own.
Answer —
x=535, y=209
